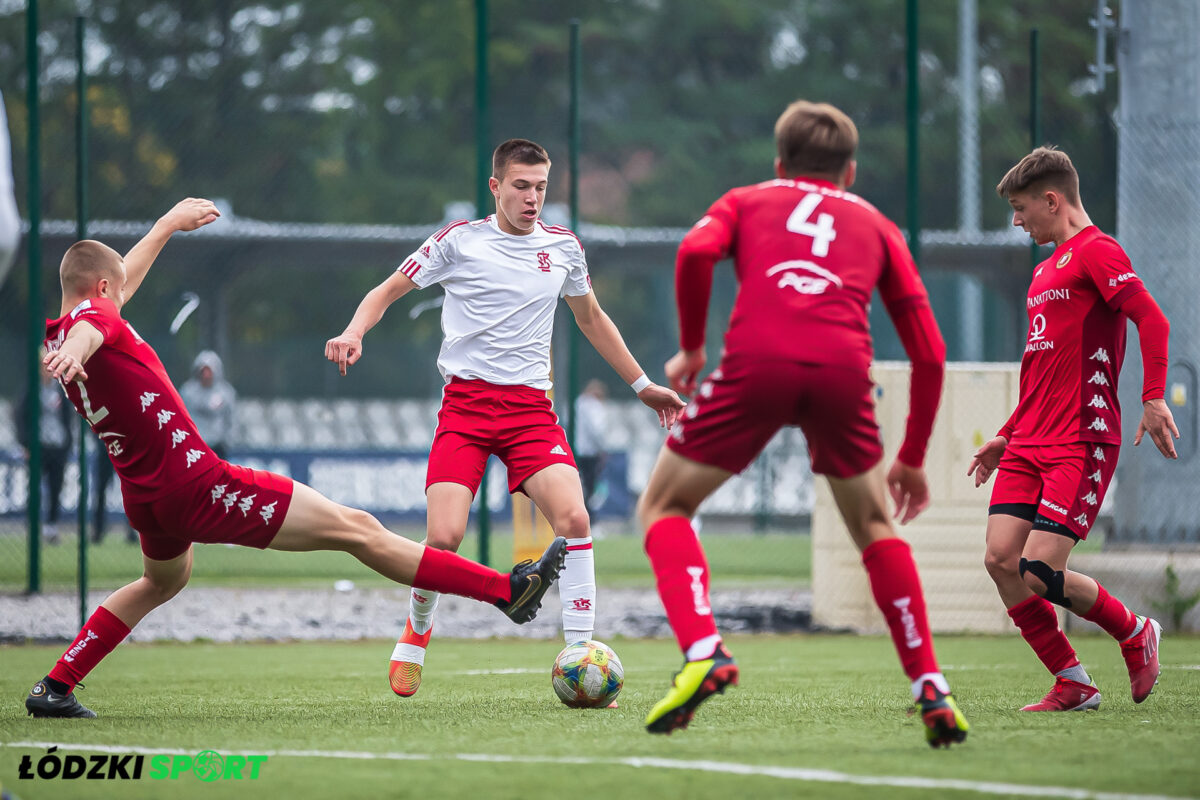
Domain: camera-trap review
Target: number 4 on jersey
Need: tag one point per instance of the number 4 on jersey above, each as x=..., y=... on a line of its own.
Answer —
x=821, y=231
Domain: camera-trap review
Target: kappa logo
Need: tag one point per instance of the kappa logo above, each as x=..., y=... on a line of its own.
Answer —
x=229, y=500
x=1098, y=379
x=178, y=436
x=557, y=450
x=1097, y=402
x=148, y=399
x=1090, y=498
x=1100, y=355
x=544, y=261
x=247, y=504
x=1099, y=425
x=193, y=456
x=218, y=491
x=164, y=417
x=1098, y=454
x=1096, y=476
x=267, y=511
x=1082, y=521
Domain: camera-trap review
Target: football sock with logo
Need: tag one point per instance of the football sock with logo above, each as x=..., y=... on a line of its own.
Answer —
x=577, y=591
x=103, y=631
x=421, y=605
x=444, y=571
x=897, y=590
x=682, y=575
x=1038, y=622
x=1112, y=615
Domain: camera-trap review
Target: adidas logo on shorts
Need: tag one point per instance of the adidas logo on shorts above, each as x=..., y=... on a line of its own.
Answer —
x=558, y=450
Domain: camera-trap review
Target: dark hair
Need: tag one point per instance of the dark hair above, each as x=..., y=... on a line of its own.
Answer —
x=517, y=151
x=1044, y=168
x=814, y=138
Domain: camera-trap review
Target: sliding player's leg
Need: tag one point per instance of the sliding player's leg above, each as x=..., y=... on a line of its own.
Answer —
x=54, y=695
x=675, y=490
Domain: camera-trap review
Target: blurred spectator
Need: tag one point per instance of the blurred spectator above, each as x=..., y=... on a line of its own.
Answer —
x=104, y=476
x=590, y=426
x=210, y=400
x=57, y=421
x=10, y=222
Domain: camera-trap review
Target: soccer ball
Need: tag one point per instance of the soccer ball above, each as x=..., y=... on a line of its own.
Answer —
x=587, y=675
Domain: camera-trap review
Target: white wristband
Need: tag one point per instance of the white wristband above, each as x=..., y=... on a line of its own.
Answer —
x=641, y=383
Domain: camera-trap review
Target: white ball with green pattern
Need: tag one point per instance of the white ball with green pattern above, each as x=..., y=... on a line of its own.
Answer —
x=587, y=675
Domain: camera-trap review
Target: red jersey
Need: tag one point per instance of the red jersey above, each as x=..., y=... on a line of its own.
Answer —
x=807, y=256
x=1075, y=344
x=132, y=405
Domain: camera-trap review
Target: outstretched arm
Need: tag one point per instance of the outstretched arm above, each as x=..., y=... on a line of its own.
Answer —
x=187, y=215
x=604, y=336
x=347, y=349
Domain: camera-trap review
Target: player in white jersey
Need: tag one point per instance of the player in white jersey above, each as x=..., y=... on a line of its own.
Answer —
x=10, y=222
x=503, y=277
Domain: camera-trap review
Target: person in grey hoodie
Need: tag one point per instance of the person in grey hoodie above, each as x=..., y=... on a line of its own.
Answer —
x=210, y=399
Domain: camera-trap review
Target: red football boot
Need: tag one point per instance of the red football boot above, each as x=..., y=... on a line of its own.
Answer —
x=1141, y=657
x=1068, y=695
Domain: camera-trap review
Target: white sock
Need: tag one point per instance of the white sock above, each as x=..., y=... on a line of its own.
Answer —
x=705, y=648
x=1076, y=673
x=938, y=679
x=577, y=591
x=421, y=606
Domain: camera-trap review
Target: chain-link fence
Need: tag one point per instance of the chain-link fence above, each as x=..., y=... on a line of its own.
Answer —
x=337, y=136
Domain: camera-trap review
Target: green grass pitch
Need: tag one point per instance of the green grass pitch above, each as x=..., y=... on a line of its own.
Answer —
x=828, y=711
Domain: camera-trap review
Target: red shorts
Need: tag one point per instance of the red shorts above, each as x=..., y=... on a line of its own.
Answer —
x=1066, y=483
x=743, y=403
x=229, y=504
x=478, y=419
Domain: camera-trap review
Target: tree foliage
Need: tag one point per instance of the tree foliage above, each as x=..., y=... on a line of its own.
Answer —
x=363, y=111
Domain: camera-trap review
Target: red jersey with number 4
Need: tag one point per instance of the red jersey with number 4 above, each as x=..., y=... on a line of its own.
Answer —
x=805, y=297
x=132, y=405
x=1075, y=344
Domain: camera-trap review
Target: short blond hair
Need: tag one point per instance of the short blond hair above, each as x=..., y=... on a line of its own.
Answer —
x=814, y=138
x=86, y=262
x=1044, y=168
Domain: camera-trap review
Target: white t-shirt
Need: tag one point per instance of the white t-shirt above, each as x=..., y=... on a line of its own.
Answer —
x=501, y=294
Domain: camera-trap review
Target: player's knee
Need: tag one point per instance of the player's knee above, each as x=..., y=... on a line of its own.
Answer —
x=573, y=524
x=1044, y=580
x=1002, y=566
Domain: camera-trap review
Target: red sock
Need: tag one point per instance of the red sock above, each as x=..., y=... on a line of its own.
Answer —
x=96, y=639
x=1112, y=615
x=1038, y=623
x=897, y=590
x=444, y=571
x=682, y=574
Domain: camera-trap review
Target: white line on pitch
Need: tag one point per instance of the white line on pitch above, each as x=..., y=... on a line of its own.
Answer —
x=508, y=671
x=725, y=767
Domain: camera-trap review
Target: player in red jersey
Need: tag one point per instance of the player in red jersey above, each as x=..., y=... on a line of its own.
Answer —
x=503, y=277
x=177, y=491
x=807, y=255
x=1056, y=455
